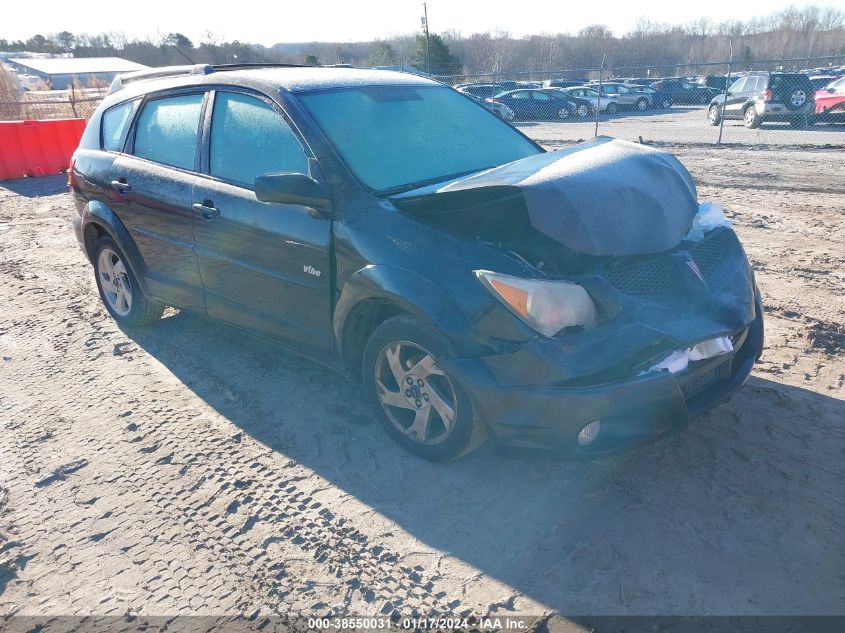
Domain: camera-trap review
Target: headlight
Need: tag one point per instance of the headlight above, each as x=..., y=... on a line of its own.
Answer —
x=546, y=306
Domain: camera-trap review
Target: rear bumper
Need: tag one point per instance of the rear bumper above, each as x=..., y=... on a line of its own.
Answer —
x=779, y=112
x=631, y=412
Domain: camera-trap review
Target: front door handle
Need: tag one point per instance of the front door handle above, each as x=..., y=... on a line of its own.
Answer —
x=121, y=186
x=206, y=209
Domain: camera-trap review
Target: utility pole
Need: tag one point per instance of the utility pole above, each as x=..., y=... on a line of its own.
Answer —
x=427, y=40
x=725, y=99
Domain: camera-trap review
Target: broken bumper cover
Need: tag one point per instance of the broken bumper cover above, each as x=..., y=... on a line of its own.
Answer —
x=631, y=412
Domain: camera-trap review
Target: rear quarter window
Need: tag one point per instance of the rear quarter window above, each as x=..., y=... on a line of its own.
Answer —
x=116, y=125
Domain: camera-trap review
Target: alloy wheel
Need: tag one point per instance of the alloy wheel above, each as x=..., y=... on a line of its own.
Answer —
x=415, y=394
x=583, y=111
x=114, y=281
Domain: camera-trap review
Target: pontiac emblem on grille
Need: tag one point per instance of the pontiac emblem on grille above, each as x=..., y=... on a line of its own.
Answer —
x=694, y=268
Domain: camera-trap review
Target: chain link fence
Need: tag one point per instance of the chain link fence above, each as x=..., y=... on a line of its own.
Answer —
x=657, y=104
x=669, y=104
x=50, y=104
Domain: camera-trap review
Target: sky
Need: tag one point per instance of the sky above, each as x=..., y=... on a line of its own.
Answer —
x=349, y=20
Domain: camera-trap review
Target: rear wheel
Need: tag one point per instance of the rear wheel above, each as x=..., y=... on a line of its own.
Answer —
x=750, y=118
x=583, y=111
x=119, y=288
x=563, y=113
x=612, y=108
x=419, y=405
x=666, y=103
x=714, y=115
x=642, y=104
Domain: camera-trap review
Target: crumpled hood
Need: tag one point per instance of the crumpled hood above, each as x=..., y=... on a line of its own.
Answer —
x=604, y=197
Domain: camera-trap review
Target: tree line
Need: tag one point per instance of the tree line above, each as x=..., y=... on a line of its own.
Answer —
x=792, y=33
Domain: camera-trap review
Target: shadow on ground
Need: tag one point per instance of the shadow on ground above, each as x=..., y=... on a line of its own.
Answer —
x=741, y=513
x=37, y=187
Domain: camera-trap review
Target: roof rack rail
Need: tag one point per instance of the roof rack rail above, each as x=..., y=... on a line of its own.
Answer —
x=248, y=65
x=157, y=73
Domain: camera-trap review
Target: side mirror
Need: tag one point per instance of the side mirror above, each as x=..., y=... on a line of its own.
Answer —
x=831, y=90
x=289, y=188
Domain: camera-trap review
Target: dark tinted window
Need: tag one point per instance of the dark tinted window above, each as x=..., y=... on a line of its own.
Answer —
x=249, y=138
x=116, y=124
x=167, y=130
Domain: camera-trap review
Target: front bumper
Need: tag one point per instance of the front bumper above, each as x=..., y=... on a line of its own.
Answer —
x=631, y=412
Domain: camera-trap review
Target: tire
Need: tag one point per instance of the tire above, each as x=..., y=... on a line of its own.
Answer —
x=563, y=113
x=119, y=289
x=797, y=99
x=612, y=108
x=714, y=115
x=401, y=344
x=666, y=103
x=508, y=115
x=641, y=105
x=750, y=118
x=583, y=111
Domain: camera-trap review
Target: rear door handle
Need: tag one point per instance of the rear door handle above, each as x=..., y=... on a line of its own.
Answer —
x=206, y=209
x=121, y=186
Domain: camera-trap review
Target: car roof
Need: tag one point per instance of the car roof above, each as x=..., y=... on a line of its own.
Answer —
x=267, y=78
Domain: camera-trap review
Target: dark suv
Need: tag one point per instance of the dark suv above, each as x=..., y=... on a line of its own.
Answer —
x=391, y=227
x=760, y=97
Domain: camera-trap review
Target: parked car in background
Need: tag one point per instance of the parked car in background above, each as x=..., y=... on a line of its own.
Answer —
x=563, y=83
x=625, y=96
x=822, y=81
x=606, y=103
x=659, y=98
x=535, y=104
x=717, y=82
x=482, y=91
x=584, y=107
x=684, y=92
x=764, y=96
x=830, y=101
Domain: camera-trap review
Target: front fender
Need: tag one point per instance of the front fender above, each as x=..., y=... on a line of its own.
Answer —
x=98, y=214
x=410, y=292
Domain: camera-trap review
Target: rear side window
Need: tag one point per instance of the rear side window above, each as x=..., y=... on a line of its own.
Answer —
x=166, y=131
x=116, y=125
x=249, y=138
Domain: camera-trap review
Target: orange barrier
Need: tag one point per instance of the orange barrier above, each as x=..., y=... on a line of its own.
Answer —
x=37, y=148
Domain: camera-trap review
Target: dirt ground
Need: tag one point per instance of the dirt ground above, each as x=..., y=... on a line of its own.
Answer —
x=188, y=469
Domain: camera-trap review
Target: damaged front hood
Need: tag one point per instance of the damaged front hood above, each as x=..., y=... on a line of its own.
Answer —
x=606, y=197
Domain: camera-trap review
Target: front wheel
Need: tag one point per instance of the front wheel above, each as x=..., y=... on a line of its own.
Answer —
x=583, y=111
x=563, y=113
x=415, y=400
x=714, y=116
x=642, y=105
x=612, y=108
x=119, y=288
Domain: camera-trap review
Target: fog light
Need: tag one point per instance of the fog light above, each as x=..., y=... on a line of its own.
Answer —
x=589, y=433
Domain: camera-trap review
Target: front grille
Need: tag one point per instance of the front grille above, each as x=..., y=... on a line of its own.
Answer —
x=649, y=277
x=709, y=251
x=660, y=274
x=695, y=385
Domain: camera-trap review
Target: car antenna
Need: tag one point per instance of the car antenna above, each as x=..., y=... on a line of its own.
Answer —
x=178, y=50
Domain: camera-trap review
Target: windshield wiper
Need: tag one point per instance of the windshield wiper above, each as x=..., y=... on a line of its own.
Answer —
x=392, y=191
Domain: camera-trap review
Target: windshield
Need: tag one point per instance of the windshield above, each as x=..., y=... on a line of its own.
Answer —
x=398, y=136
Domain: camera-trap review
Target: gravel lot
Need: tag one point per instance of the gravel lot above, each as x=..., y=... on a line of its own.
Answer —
x=188, y=469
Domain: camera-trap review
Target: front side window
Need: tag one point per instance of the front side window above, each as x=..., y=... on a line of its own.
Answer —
x=167, y=129
x=541, y=96
x=394, y=136
x=249, y=138
x=116, y=125
x=521, y=95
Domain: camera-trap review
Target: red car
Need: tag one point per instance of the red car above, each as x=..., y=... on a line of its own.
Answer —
x=830, y=101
